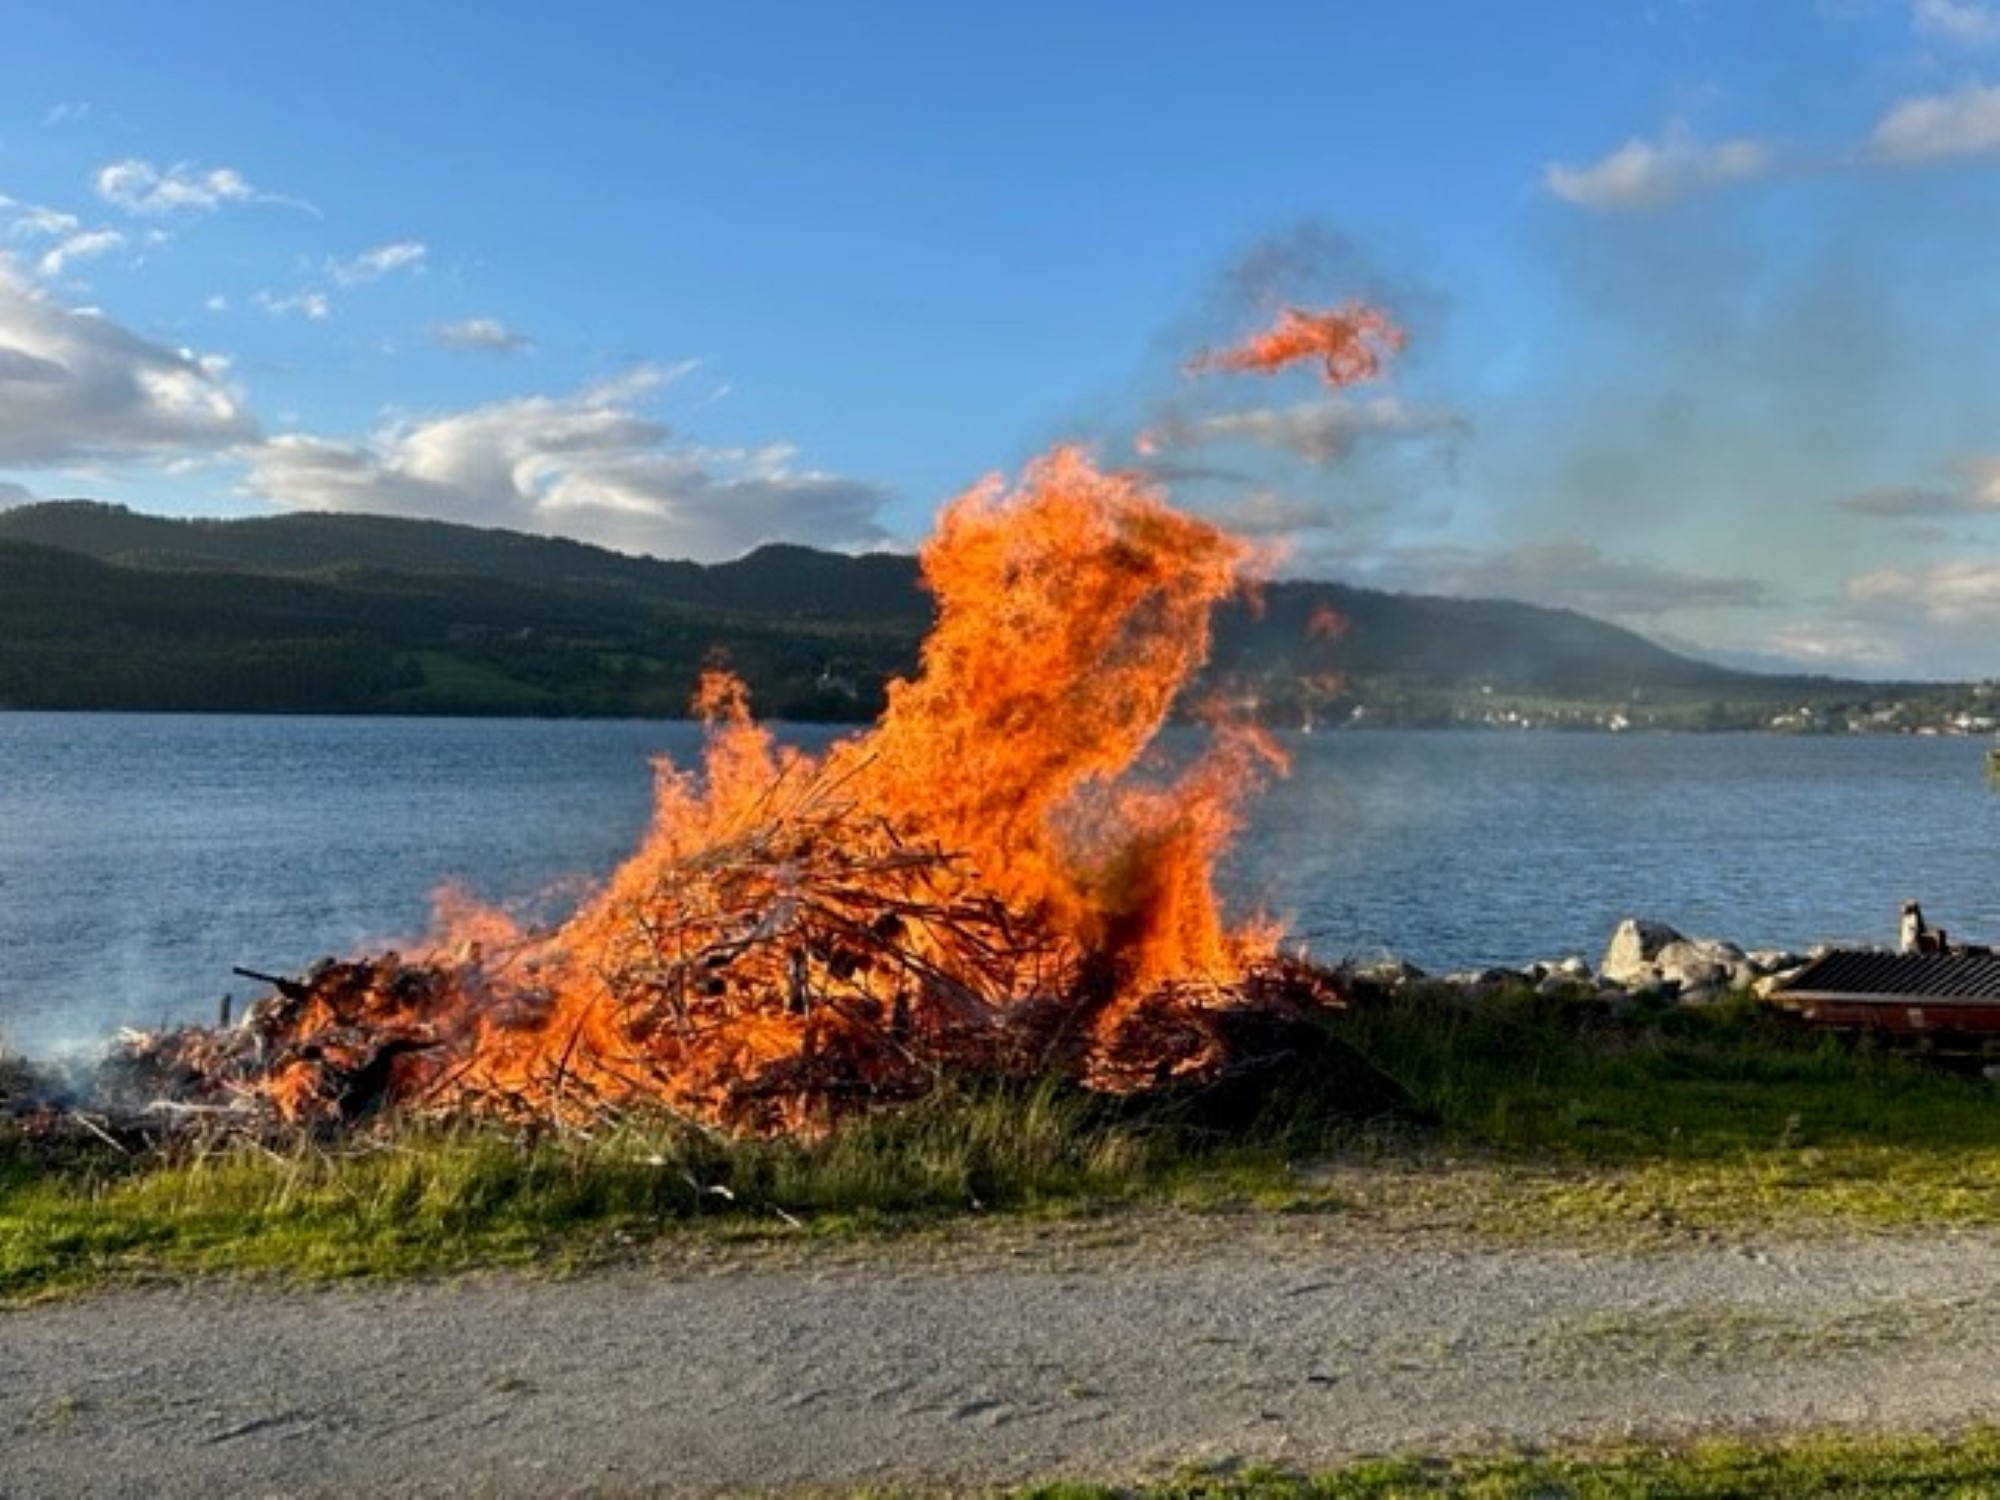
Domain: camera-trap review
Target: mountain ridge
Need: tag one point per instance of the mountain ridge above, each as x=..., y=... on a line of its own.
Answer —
x=391, y=614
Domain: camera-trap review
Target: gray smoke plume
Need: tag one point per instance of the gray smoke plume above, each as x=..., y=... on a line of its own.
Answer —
x=1284, y=459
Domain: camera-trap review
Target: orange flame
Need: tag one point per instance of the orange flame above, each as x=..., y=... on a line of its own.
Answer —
x=1070, y=614
x=996, y=801
x=1009, y=871
x=1352, y=343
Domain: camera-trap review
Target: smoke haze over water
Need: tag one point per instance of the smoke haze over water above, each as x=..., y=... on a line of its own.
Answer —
x=1747, y=403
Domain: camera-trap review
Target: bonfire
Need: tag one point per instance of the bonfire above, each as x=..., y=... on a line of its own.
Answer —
x=1006, y=876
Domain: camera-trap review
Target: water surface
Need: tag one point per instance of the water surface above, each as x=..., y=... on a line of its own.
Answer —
x=143, y=856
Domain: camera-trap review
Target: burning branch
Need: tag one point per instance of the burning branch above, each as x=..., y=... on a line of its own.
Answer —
x=1352, y=343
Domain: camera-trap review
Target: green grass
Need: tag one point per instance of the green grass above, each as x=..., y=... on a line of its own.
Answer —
x=1516, y=1116
x=1726, y=1118
x=1964, y=1464
x=433, y=1198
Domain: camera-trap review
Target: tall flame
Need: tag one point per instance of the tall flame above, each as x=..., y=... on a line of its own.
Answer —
x=996, y=819
x=1071, y=612
x=1008, y=871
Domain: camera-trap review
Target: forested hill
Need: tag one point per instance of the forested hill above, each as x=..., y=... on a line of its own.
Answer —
x=783, y=578
x=102, y=607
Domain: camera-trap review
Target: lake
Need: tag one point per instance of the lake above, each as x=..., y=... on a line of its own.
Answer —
x=143, y=856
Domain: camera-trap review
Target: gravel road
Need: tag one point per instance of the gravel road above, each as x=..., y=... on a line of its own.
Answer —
x=994, y=1357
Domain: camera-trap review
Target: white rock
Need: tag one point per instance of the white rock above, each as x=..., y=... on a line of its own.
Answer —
x=1772, y=960
x=1631, y=957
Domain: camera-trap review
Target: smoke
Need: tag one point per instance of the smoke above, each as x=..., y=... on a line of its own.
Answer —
x=1716, y=418
x=1731, y=372
x=1309, y=472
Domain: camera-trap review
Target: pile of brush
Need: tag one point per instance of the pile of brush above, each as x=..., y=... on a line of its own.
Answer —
x=814, y=965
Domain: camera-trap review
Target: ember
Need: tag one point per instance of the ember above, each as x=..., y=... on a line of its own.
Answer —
x=1001, y=877
x=1350, y=342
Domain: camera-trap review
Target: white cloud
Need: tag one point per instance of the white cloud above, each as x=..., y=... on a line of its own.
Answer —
x=76, y=387
x=1963, y=592
x=373, y=265
x=1904, y=502
x=139, y=187
x=1829, y=647
x=90, y=242
x=370, y=265
x=1967, y=23
x=1562, y=575
x=1942, y=125
x=1975, y=494
x=307, y=304
x=1319, y=431
x=31, y=221
x=589, y=465
x=1929, y=621
x=1646, y=174
x=1983, y=480
x=480, y=335
x=1922, y=503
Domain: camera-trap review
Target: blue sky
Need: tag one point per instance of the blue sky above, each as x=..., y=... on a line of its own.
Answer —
x=1702, y=295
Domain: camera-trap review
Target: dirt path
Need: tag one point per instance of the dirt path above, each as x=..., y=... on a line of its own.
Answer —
x=1002, y=1357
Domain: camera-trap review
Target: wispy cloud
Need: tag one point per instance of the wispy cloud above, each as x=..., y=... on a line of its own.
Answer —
x=590, y=465
x=1563, y=575
x=315, y=304
x=76, y=387
x=373, y=265
x=305, y=304
x=1644, y=174
x=1964, y=123
x=1926, y=620
x=1951, y=594
x=1319, y=432
x=1976, y=494
x=1920, y=503
x=1836, y=647
x=139, y=187
x=57, y=258
x=33, y=221
x=1904, y=502
x=480, y=335
x=1965, y=23
x=1647, y=174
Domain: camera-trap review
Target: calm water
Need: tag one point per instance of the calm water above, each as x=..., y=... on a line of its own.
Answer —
x=142, y=856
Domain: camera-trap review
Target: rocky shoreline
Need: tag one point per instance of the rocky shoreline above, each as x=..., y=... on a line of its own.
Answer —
x=1645, y=960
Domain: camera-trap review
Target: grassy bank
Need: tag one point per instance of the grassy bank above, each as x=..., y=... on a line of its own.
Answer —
x=1513, y=1115
x=1963, y=1464
x=433, y=1198
x=1729, y=1118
